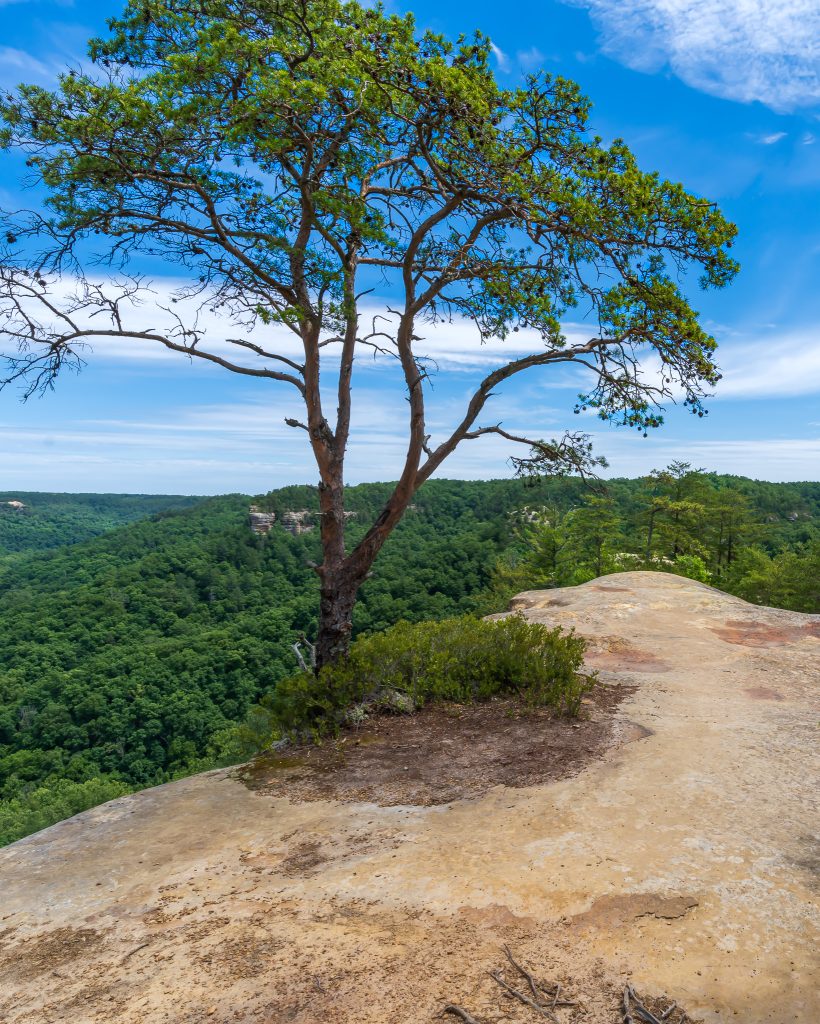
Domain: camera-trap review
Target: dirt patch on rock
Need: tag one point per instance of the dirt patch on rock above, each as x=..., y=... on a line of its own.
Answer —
x=749, y=633
x=615, y=654
x=442, y=753
x=762, y=693
x=303, y=858
x=356, y=961
x=612, y=912
x=44, y=954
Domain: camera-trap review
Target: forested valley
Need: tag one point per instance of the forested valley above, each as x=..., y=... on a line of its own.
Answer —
x=128, y=658
x=39, y=521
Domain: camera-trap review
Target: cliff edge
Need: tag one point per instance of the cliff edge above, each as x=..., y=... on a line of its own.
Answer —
x=679, y=858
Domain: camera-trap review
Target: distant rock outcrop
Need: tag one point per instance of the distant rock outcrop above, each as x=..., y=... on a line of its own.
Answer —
x=304, y=521
x=15, y=506
x=679, y=861
x=261, y=522
x=298, y=522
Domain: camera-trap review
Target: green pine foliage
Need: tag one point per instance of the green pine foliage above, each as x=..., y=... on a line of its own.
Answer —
x=751, y=538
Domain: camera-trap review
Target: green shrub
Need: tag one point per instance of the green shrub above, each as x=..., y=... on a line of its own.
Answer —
x=462, y=660
x=693, y=567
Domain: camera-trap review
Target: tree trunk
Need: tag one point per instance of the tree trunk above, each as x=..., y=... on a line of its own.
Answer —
x=343, y=574
x=337, y=599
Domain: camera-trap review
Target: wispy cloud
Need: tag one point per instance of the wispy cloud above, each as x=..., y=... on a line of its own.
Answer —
x=770, y=139
x=18, y=63
x=793, y=458
x=777, y=365
x=530, y=59
x=246, y=447
x=765, y=363
x=501, y=57
x=452, y=345
x=743, y=50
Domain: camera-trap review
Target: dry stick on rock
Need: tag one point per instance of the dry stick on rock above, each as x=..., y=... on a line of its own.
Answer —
x=457, y=1011
x=136, y=949
x=524, y=974
x=641, y=1011
x=495, y=975
x=627, y=1015
x=539, y=989
x=556, y=996
x=643, y=1014
x=646, y=1015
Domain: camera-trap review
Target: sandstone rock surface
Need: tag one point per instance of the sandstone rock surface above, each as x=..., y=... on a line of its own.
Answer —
x=682, y=858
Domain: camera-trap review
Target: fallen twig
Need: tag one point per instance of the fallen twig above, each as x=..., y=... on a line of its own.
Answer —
x=540, y=989
x=642, y=1013
x=645, y=1015
x=524, y=974
x=627, y=1015
x=495, y=975
x=458, y=1011
x=557, y=993
x=136, y=949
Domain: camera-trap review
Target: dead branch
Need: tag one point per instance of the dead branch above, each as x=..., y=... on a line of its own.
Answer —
x=642, y=1013
x=524, y=974
x=458, y=1011
x=136, y=949
x=555, y=998
x=496, y=976
x=627, y=1016
x=539, y=989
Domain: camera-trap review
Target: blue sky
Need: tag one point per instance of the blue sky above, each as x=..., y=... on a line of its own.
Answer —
x=723, y=95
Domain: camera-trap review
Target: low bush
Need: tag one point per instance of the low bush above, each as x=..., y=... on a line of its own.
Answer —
x=462, y=660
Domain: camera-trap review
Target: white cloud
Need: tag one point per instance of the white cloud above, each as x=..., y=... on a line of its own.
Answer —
x=221, y=447
x=530, y=59
x=769, y=364
x=777, y=459
x=17, y=63
x=232, y=446
x=779, y=365
x=765, y=363
x=501, y=57
x=746, y=50
x=770, y=140
x=217, y=449
x=453, y=345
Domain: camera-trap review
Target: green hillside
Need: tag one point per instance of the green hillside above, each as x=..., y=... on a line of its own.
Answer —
x=51, y=520
x=125, y=660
